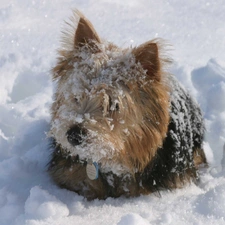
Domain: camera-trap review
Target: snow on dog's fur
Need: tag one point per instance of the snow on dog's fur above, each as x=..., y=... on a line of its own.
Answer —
x=122, y=110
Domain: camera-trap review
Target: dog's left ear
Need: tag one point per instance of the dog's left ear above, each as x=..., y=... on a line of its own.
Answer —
x=85, y=32
x=147, y=55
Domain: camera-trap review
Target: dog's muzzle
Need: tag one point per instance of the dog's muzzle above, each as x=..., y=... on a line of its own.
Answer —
x=76, y=136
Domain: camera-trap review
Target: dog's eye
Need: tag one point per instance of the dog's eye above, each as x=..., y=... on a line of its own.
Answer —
x=117, y=108
x=110, y=103
x=113, y=105
x=76, y=100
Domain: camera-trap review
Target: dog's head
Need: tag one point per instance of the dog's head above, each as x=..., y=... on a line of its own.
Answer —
x=111, y=105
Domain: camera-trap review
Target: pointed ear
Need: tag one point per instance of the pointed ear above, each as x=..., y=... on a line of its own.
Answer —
x=85, y=33
x=148, y=56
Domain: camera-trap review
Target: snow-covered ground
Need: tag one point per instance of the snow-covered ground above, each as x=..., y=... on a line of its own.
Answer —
x=29, y=37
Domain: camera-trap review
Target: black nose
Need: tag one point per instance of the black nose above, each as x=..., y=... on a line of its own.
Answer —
x=76, y=135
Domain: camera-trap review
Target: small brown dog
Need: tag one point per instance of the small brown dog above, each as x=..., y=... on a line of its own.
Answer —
x=121, y=124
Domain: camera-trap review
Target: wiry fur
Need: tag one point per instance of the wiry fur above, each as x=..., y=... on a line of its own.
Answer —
x=130, y=114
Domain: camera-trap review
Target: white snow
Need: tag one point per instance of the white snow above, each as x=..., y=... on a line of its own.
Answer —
x=29, y=37
x=41, y=205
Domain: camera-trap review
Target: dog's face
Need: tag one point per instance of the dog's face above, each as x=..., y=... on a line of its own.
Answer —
x=111, y=105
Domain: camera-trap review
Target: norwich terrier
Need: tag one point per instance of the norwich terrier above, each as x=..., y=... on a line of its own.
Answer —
x=121, y=124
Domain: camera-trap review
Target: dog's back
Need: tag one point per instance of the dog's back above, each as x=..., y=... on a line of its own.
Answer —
x=177, y=161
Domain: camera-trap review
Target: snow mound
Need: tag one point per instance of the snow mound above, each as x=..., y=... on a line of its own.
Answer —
x=41, y=205
x=132, y=219
x=10, y=206
x=210, y=83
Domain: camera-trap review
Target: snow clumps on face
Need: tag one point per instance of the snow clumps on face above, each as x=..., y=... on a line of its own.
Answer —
x=95, y=85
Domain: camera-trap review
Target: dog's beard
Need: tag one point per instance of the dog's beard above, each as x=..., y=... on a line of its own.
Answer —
x=95, y=146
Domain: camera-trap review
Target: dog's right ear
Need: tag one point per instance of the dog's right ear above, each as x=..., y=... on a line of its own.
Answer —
x=85, y=32
x=147, y=55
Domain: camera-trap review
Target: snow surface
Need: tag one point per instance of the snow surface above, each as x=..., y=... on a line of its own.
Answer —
x=29, y=37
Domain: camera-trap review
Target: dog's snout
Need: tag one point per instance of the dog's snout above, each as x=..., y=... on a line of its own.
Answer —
x=76, y=135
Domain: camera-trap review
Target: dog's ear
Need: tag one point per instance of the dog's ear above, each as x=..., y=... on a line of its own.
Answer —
x=147, y=55
x=85, y=32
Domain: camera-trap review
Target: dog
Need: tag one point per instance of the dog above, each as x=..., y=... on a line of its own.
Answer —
x=121, y=124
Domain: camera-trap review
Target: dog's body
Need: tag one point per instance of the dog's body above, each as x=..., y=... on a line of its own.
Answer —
x=121, y=125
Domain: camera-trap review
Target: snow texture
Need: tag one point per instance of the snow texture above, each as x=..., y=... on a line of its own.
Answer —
x=29, y=37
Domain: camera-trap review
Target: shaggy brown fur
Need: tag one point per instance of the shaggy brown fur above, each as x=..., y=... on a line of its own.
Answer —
x=113, y=106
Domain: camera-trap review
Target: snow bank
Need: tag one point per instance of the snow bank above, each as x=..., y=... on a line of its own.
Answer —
x=31, y=31
x=210, y=83
x=132, y=219
x=41, y=205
